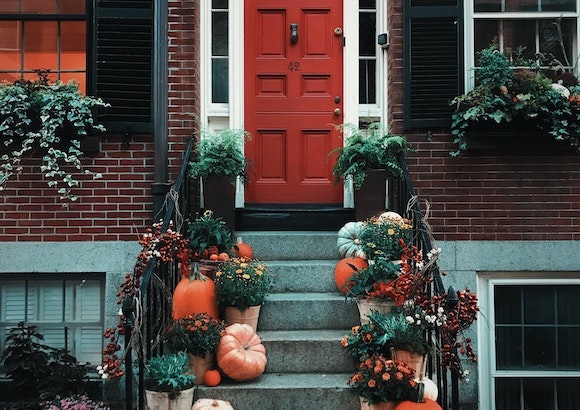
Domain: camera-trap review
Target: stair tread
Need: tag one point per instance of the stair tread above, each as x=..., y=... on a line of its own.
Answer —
x=306, y=296
x=290, y=381
x=302, y=335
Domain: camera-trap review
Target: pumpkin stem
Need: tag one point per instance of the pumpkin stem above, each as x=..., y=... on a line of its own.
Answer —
x=239, y=240
x=196, y=273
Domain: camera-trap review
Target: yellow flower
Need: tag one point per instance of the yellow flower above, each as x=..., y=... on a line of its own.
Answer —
x=258, y=272
x=243, y=265
x=239, y=270
x=218, y=273
x=246, y=276
x=261, y=267
x=391, y=231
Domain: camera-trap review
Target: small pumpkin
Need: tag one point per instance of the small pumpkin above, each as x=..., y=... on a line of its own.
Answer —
x=240, y=353
x=430, y=390
x=212, y=377
x=393, y=216
x=427, y=404
x=195, y=293
x=348, y=242
x=242, y=249
x=211, y=404
x=344, y=270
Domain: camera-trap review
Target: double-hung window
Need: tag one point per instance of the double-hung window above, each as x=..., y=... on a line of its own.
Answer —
x=530, y=358
x=68, y=311
x=546, y=30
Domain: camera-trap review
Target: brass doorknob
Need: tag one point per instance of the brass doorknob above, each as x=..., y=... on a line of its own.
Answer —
x=337, y=112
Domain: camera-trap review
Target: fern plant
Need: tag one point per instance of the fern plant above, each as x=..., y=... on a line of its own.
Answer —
x=49, y=117
x=363, y=150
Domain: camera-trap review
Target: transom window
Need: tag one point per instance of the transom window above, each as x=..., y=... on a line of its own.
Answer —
x=68, y=311
x=546, y=28
x=48, y=35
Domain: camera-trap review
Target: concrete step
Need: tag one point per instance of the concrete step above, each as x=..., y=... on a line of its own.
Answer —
x=306, y=351
x=284, y=391
x=303, y=310
x=306, y=245
x=303, y=276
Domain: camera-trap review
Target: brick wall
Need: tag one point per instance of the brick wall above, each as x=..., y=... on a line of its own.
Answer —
x=485, y=196
x=119, y=206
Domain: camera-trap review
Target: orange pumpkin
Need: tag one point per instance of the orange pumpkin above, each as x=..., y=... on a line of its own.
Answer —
x=344, y=270
x=212, y=377
x=195, y=294
x=427, y=404
x=242, y=249
x=240, y=353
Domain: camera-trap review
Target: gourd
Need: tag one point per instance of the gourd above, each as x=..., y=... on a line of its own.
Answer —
x=211, y=404
x=427, y=404
x=344, y=270
x=195, y=293
x=242, y=249
x=240, y=353
x=393, y=216
x=348, y=241
x=430, y=390
x=212, y=377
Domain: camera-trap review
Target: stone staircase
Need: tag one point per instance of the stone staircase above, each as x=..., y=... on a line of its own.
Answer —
x=301, y=327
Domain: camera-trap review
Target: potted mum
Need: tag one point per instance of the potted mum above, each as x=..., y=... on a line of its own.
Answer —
x=385, y=236
x=369, y=157
x=51, y=120
x=382, y=382
x=168, y=382
x=242, y=285
x=514, y=106
x=220, y=162
x=197, y=335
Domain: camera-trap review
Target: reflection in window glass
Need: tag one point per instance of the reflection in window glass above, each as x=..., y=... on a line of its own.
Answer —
x=514, y=6
x=367, y=53
x=219, y=78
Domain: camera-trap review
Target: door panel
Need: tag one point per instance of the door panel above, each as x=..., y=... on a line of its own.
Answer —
x=292, y=91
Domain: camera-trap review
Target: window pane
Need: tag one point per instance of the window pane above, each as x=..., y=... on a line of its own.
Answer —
x=219, y=80
x=568, y=352
x=49, y=300
x=558, y=5
x=538, y=394
x=219, y=4
x=40, y=45
x=79, y=78
x=507, y=394
x=550, y=41
x=520, y=33
x=481, y=6
x=486, y=33
x=508, y=304
x=536, y=312
x=367, y=4
x=72, y=6
x=35, y=6
x=508, y=347
x=219, y=33
x=568, y=393
x=10, y=46
x=568, y=306
x=367, y=82
x=521, y=5
x=73, y=45
x=367, y=34
x=13, y=304
x=539, y=347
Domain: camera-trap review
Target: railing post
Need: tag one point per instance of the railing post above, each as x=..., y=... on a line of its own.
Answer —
x=128, y=322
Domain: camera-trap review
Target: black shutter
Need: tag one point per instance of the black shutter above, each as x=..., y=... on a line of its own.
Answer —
x=433, y=61
x=122, y=63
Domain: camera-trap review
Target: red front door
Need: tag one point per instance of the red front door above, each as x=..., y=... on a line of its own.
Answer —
x=293, y=96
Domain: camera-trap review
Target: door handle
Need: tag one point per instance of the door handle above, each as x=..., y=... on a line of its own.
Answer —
x=294, y=33
x=337, y=112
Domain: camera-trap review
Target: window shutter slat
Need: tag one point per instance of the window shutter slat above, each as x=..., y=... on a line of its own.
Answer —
x=433, y=58
x=13, y=303
x=123, y=44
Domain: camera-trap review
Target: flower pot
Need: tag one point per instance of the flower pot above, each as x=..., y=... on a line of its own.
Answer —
x=248, y=316
x=199, y=365
x=373, y=198
x=385, y=405
x=415, y=361
x=181, y=400
x=365, y=306
x=219, y=195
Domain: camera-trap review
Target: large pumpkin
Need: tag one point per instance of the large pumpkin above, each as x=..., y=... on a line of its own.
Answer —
x=344, y=270
x=240, y=353
x=427, y=404
x=348, y=241
x=195, y=293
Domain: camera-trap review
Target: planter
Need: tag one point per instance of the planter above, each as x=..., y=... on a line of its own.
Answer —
x=181, y=400
x=248, y=316
x=199, y=365
x=365, y=306
x=385, y=405
x=219, y=195
x=373, y=198
x=415, y=361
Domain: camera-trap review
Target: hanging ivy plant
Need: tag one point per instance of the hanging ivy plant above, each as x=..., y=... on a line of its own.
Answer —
x=47, y=118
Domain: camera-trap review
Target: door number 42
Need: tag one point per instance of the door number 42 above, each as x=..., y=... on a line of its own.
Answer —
x=294, y=66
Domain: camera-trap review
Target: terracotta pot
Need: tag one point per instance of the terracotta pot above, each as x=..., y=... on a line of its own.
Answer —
x=199, y=365
x=415, y=361
x=385, y=405
x=365, y=306
x=248, y=316
x=183, y=400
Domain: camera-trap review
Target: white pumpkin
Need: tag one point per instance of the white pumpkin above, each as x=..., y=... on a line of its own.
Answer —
x=430, y=388
x=393, y=216
x=348, y=241
x=211, y=404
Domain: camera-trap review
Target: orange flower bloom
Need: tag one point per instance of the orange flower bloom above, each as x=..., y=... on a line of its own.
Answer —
x=386, y=377
x=372, y=383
